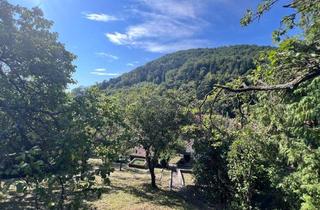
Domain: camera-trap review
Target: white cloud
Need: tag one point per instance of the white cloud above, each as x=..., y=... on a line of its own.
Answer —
x=160, y=27
x=118, y=38
x=165, y=26
x=100, y=17
x=100, y=69
x=174, y=46
x=175, y=8
x=102, y=72
x=133, y=63
x=130, y=64
x=107, y=55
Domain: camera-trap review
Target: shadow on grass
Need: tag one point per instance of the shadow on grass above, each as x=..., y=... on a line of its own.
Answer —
x=170, y=199
x=136, y=170
x=17, y=202
x=184, y=199
x=128, y=183
x=74, y=200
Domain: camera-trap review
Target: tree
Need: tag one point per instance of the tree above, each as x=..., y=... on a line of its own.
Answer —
x=201, y=67
x=293, y=119
x=35, y=70
x=275, y=148
x=99, y=124
x=154, y=121
x=47, y=135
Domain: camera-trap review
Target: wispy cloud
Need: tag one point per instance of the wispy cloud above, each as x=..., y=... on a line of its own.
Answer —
x=100, y=17
x=118, y=38
x=105, y=74
x=165, y=25
x=102, y=72
x=107, y=55
x=100, y=69
x=175, y=8
x=130, y=64
x=171, y=47
x=158, y=28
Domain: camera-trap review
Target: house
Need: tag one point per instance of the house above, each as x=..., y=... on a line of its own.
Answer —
x=138, y=152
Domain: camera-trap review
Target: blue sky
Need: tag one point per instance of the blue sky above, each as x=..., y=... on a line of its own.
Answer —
x=111, y=37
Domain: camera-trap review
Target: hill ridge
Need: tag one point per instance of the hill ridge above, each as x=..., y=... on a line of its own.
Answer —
x=203, y=66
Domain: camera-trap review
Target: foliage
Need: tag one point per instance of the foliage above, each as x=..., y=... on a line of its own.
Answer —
x=274, y=154
x=35, y=69
x=203, y=67
x=47, y=135
x=254, y=149
x=154, y=120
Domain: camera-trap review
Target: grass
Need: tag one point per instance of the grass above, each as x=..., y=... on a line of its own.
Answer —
x=130, y=189
x=175, y=159
x=138, y=161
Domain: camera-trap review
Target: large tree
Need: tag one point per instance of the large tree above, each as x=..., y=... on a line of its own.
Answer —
x=35, y=71
x=47, y=134
x=274, y=154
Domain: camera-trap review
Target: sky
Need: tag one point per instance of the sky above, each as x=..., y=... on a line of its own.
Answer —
x=111, y=37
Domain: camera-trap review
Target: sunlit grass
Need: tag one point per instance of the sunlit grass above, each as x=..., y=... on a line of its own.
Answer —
x=130, y=189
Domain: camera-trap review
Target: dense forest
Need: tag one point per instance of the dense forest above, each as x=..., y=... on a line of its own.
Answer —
x=252, y=112
x=199, y=67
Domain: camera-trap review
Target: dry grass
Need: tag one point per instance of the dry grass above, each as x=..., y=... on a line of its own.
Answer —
x=175, y=159
x=130, y=189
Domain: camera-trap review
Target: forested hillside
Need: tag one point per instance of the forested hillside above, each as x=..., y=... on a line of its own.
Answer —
x=202, y=66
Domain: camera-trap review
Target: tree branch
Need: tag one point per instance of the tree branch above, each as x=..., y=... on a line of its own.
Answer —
x=286, y=86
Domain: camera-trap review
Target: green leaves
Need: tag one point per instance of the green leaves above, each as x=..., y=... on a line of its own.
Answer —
x=274, y=154
x=247, y=18
x=21, y=187
x=154, y=120
x=305, y=15
x=47, y=135
x=194, y=70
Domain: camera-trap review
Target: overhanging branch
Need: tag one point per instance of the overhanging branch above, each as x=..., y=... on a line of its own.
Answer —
x=286, y=86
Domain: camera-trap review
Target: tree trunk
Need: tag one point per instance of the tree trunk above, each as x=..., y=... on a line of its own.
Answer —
x=36, y=196
x=153, y=177
x=150, y=163
x=61, y=201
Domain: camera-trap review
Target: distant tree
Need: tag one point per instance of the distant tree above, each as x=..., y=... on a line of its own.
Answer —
x=99, y=128
x=155, y=122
